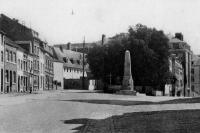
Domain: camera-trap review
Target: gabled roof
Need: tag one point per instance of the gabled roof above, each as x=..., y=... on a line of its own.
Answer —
x=69, y=55
x=15, y=30
x=175, y=40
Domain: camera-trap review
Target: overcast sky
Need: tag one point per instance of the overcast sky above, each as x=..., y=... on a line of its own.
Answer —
x=56, y=23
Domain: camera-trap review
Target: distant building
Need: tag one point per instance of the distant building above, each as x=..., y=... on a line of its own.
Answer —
x=42, y=66
x=182, y=51
x=21, y=33
x=49, y=66
x=2, y=61
x=195, y=75
x=73, y=63
x=72, y=67
x=10, y=66
x=58, y=75
x=176, y=87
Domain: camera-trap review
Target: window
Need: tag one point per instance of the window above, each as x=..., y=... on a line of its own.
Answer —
x=24, y=64
x=192, y=70
x=65, y=59
x=31, y=66
x=176, y=46
x=38, y=67
x=35, y=49
x=14, y=57
x=72, y=61
x=1, y=40
x=14, y=77
x=21, y=65
x=1, y=56
x=38, y=51
x=7, y=55
x=7, y=76
x=18, y=63
x=192, y=78
x=11, y=56
x=192, y=88
x=22, y=80
x=192, y=62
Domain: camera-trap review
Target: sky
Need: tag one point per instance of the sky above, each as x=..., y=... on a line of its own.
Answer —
x=56, y=23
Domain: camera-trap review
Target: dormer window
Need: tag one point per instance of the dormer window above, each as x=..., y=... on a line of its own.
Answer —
x=176, y=46
x=78, y=62
x=65, y=59
x=72, y=61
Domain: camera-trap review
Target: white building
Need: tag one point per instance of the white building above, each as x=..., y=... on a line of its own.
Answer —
x=42, y=69
x=58, y=74
x=73, y=63
x=20, y=67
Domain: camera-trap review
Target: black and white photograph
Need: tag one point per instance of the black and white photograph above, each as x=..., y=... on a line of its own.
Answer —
x=100, y=66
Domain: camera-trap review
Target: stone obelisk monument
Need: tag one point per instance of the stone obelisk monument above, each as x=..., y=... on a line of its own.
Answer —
x=127, y=84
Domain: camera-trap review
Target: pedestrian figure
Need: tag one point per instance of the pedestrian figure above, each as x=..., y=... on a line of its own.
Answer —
x=30, y=89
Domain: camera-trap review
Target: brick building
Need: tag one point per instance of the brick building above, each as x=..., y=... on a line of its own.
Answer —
x=10, y=66
x=26, y=37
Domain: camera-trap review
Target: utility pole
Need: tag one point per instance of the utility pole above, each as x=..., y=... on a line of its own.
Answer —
x=83, y=80
x=110, y=76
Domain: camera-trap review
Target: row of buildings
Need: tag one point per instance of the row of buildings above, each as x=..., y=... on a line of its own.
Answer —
x=28, y=63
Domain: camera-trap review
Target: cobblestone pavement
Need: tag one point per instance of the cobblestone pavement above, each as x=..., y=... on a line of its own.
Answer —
x=83, y=112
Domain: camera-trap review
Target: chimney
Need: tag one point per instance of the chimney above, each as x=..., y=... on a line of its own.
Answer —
x=16, y=20
x=69, y=46
x=103, y=39
x=179, y=36
x=61, y=48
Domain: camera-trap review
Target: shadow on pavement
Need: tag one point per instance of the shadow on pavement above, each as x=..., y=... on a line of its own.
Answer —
x=111, y=102
x=179, y=121
x=129, y=103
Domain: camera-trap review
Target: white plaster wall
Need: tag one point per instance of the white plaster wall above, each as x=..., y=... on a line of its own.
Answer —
x=58, y=72
x=73, y=74
x=1, y=49
x=19, y=56
x=42, y=72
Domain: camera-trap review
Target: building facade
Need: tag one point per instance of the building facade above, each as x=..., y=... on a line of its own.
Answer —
x=195, y=75
x=42, y=68
x=2, y=62
x=58, y=75
x=182, y=51
x=10, y=66
x=49, y=68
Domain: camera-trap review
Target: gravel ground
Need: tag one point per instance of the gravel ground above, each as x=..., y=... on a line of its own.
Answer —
x=82, y=112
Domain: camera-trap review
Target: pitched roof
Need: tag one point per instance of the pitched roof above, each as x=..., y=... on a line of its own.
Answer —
x=15, y=30
x=71, y=58
x=175, y=40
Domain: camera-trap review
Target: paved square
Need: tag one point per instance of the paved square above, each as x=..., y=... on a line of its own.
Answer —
x=84, y=112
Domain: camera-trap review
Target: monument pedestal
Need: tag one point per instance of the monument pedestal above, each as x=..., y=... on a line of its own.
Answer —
x=126, y=92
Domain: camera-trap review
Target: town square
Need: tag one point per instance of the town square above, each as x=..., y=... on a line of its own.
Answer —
x=70, y=66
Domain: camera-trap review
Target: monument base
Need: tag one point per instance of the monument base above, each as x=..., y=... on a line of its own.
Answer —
x=126, y=92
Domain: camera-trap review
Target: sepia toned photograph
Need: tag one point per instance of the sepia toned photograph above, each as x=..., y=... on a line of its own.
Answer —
x=99, y=66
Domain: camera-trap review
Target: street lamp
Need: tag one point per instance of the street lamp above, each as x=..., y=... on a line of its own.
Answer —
x=83, y=84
